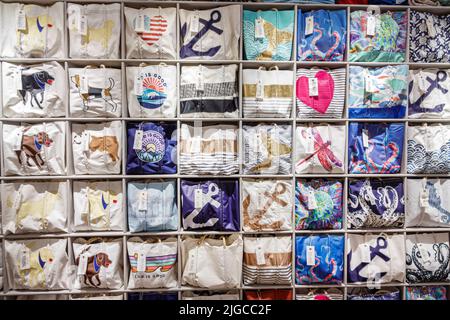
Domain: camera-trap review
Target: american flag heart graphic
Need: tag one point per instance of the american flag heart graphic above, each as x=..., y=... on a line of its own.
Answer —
x=154, y=29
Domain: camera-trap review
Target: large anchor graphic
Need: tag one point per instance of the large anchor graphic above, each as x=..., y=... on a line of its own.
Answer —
x=188, y=49
x=416, y=108
x=188, y=221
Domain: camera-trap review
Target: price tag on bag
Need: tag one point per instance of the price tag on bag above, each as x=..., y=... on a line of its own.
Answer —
x=142, y=206
x=25, y=259
x=365, y=253
x=82, y=24
x=141, y=262
x=195, y=23
x=370, y=87
x=260, y=258
x=139, y=23
x=312, y=203
x=309, y=27
x=82, y=264
x=86, y=138
x=422, y=83
x=313, y=86
x=310, y=255
x=18, y=79
x=138, y=136
x=430, y=26
x=424, y=198
x=198, y=199
x=259, y=90
x=200, y=86
x=18, y=141
x=371, y=25
x=138, y=90
x=365, y=138
x=84, y=84
x=21, y=21
x=259, y=29
x=424, y=253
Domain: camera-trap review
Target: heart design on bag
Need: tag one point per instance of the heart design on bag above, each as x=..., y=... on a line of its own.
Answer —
x=322, y=101
x=154, y=29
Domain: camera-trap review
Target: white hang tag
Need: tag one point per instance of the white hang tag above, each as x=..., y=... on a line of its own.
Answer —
x=141, y=262
x=139, y=23
x=424, y=198
x=18, y=79
x=369, y=84
x=430, y=26
x=371, y=25
x=365, y=253
x=399, y=1
x=259, y=90
x=259, y=29
x=195, y=22
x=17, y=200
x=200, y=86
x=86, y=139
x=82, y=264
x=312, y=203
x=82, y=24
x=138, y=90
x=192, y=262
x=422, y=83
x=142, y=206
x=85, y=205
x=198, y=199
x=309, y=27
x=310, y=255
x=253, y=155
x=365, y=138
x=84, y=84
x=138, y=136
x=313, y=86
x=21, y=21
x=309, y=142
x=25, y=259
x=424, y=253
x=371, y=196
x=260, y=258
x=18, y=141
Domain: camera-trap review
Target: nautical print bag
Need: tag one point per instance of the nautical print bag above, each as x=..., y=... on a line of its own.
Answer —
x=267, y=93
x=209, y=91
x=374, y=294
x=267, y=205
x=325, y=39
x=99, y=263
x=267, y=149
x=375, y=147
x=95, y=92
x=319, y=294
x=268, y=35
x=34, y=149
x=427, y=257
x=153, y=263
x=375, y=259
x=34, y=207
x=267, y=260
x=33, y=91
x=318, y=204
x=268, y=294
x=428, y=203
x=94, y=30
x=152, y=91
x=214, y=295
x=152, y=148
x=319, y=259
x=41, y=33
x=97, y=147
x=320, y=148
x=151, y=33
x=426, y=293
x=37, y=264
x=97, y=205
x=210, y=205
x=320, y=92
x=429, y=148
x=210, y=34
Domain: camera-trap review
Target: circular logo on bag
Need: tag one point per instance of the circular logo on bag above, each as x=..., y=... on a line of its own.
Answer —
x=153, y=147
x=153, y=91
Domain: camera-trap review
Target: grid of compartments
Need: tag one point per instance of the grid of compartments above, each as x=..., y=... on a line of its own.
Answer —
x=184, y=181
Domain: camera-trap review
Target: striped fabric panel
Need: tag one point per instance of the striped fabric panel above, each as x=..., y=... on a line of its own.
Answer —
x=267, y=109
x=333, y=296
x=224, y=90
x=209, y=164
x=262, y=275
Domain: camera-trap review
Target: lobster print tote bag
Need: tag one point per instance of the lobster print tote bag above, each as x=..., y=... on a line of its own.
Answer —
x=152, y=91
x=267, y=260
x=428, y=93
x=99, y=263
x=152, y=148
x=429, y=148
x=34, y=91
x=95, y=92
x=426, y=293
x=378, y=92
x=319, y=148
x=375, y=147
x=267, y=149
x=97, y=205
x=267, y=93
x=319, y=259
x=210, y=34
x=96, y=147
x=208, y=295
x=267, y=205
x=209, y=150
x=427, y=257
x=40, y=33
x=209, y=91
x=153, y=263
x=318, y=204
x=319, y=294
x=34, y=207
x=268, y=294
x=375, y=259
x=94, y=31
x=373, y=294
x=210, y=205
x=428, y=203
x=37, y=264
x=34, y=149
x=212, y=263
x=375, y=203
x=150, y=33
x=320, y=92
x=322, y=35
x=268, y=35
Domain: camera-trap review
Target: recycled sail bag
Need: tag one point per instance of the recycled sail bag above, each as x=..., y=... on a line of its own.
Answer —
x=41, y=33
x=212, y=263
x=268, y=294
x=202, y=295
x=426, y=293
x=152, y=148
x=34, y=207
x=210, y=205
x=320, y=294
x=34, y=91
x=94, y=31
x=367, y=294
x=152, y=206
x=150, y=33
x=153, y=263
x=34, y=149
x=156, y=296
x=96, y=147
x=97, y=205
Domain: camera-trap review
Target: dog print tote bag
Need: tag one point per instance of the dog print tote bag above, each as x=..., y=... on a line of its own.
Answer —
x=32, y=31
x=34, y=207
x=97, y=205
x=152, y=91
x=94, y=31
x=151, y=33
x=34, y=149
x=34, y=91
x=95, y=92
x=153, y=263
x=97, y=147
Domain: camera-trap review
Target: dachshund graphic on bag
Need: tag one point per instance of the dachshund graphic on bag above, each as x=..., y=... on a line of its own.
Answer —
x=95, y=92
x=31, y=147
x=94, y=264
x=33, y=87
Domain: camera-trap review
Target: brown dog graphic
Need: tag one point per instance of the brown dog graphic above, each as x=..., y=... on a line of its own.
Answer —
x=31, y=146
x=94, y=264
x=94, y=92
x=107, y=144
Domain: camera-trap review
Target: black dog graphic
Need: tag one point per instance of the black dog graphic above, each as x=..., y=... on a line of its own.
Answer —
x=94, y=92
x=33, y=85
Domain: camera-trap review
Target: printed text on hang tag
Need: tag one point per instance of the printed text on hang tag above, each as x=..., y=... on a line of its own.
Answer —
x=310, y=255
x=371, y=25
x=313, y=87
x=260, y=258
x=309, y=27
x=259, y=29
x=141, y=262
x=82, y=264
x=139, y=135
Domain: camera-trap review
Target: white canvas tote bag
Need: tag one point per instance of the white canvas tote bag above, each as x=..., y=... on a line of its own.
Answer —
x=201, y=295
x=97, y=297
x=1, y=265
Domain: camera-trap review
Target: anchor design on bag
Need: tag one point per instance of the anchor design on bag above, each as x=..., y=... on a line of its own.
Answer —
x=415, y=107
x=188, y=221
